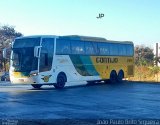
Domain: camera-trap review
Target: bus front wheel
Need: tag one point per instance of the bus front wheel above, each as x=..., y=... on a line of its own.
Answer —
x=36, y=86
x=61, y=80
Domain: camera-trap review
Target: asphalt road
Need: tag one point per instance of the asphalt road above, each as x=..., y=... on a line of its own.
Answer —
x=103, y=101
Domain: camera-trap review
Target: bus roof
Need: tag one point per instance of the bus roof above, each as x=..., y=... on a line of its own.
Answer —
x=35, y=36
x=78, y=37
x=93, y=39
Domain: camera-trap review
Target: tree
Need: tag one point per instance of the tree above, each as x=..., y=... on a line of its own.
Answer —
x=144, y=55
x=7, y=35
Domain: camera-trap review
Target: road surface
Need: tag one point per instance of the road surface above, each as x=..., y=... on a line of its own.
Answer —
x=102, y=101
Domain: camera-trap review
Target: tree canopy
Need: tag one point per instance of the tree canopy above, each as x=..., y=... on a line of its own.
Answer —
x=7, y=35
x=144, y=55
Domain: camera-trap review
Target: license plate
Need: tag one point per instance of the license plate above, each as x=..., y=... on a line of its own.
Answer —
x=21, y=80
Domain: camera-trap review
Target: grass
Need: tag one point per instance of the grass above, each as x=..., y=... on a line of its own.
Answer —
x=146, y=74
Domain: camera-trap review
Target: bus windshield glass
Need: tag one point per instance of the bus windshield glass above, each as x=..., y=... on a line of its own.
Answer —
x=22, y=59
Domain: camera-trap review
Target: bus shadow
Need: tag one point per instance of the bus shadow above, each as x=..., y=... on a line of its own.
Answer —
x=51, y=87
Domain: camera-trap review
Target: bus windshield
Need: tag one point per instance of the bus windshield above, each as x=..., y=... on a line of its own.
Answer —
x=22, y=59
x=26, y=42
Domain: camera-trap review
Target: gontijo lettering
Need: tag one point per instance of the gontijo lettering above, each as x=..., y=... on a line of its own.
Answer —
x=106, y=60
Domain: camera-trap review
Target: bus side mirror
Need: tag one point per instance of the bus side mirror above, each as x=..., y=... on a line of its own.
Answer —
x=37, y=51
x=5, y=53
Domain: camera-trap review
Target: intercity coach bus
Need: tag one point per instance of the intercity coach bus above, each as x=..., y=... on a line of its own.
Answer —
x=61, y=60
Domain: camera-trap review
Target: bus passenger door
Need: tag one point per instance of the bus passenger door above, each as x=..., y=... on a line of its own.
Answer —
x=46, y=54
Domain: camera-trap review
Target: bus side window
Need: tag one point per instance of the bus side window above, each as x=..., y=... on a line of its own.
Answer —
x=114, y=49
x=63, y=47
x=89, y=50
x=130, y=50
x=95, y=48
x=103, y=48
x=77, y=47
x=122, y=49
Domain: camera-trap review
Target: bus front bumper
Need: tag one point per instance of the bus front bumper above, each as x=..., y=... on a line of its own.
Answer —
x=22, y=81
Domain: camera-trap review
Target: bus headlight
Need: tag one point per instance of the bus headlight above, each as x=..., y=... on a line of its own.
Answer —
x=33, y=74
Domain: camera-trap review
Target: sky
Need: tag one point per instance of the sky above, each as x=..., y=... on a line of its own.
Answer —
x=124, y=20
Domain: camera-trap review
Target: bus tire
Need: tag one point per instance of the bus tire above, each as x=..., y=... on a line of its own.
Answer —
x=91, y=83
x=120, y=76
x=61, y=81
x=36, y=86
x=113, y=76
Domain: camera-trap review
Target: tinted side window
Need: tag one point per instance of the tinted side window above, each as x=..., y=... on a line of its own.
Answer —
x=77, y=47
x=95, y=47
x=89, y=49
x=63, y=47
x=130, y=50
x=103, y=48
x=122, y=49
x=114, y=49
x=46, y=56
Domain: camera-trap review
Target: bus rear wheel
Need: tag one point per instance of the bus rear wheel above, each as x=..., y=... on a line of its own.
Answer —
x=36, y=86
x=113, y=76
x=61, y=80
x=120, y=76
